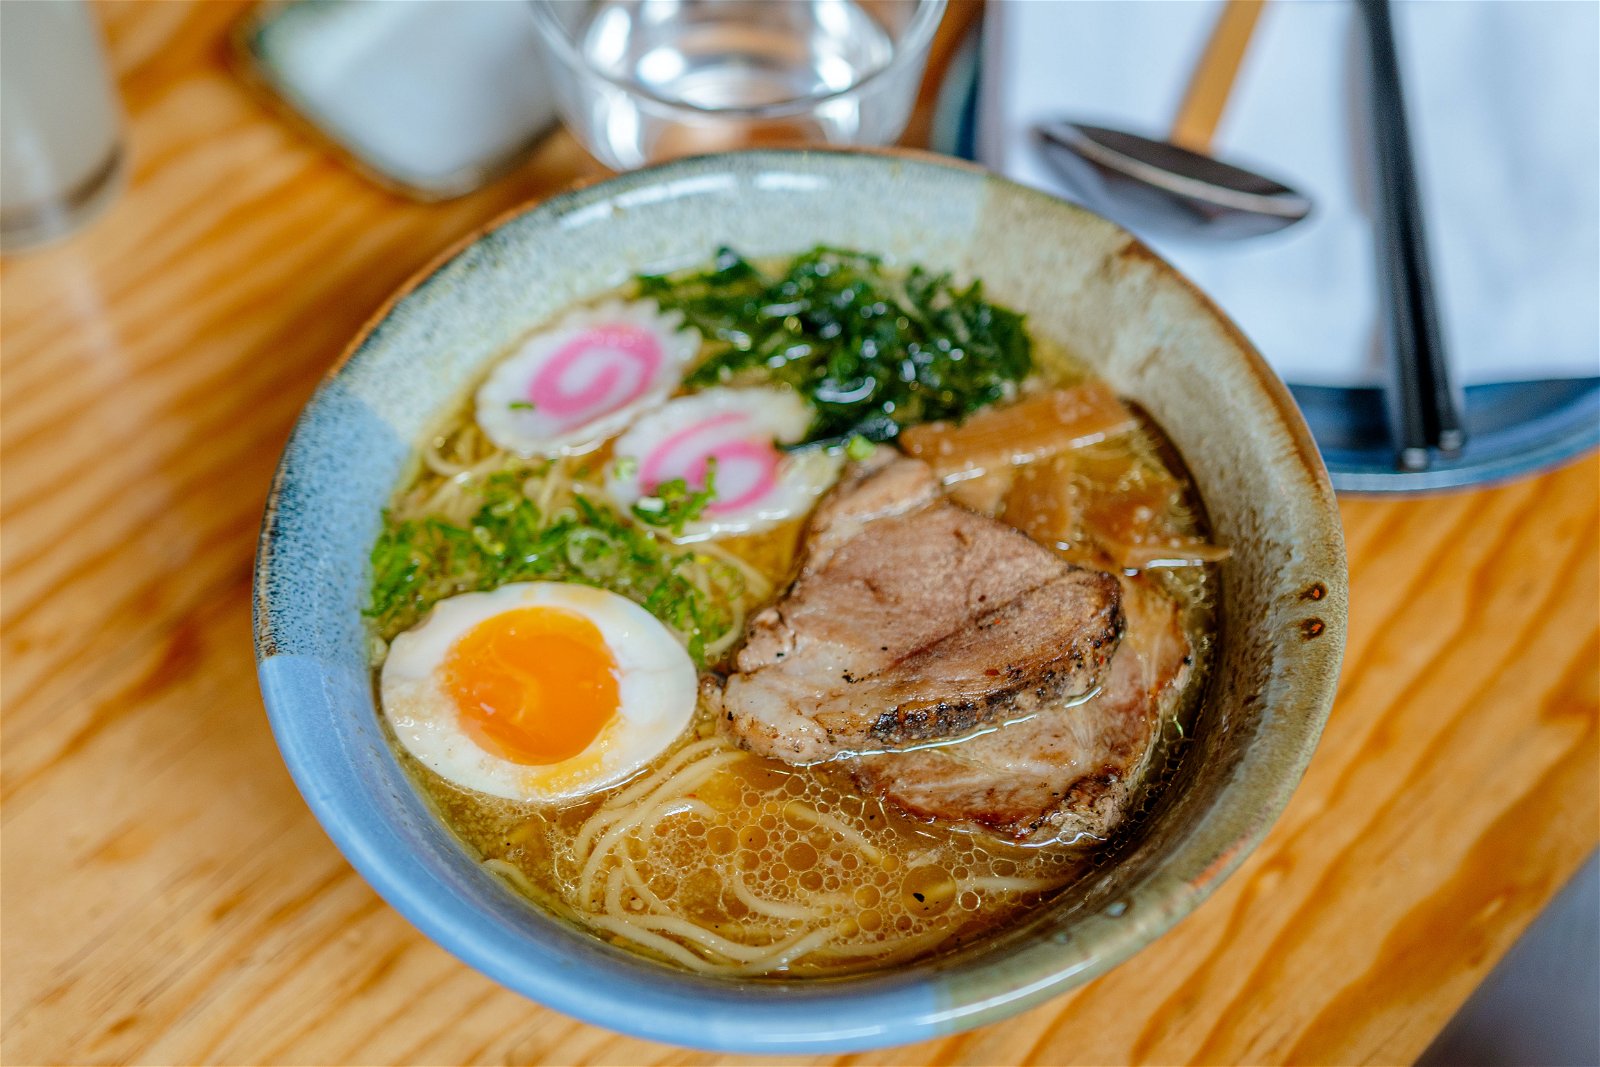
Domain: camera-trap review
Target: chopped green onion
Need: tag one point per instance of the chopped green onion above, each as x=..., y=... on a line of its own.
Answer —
x=418, y=562
x=858, y=447
x=675, y=504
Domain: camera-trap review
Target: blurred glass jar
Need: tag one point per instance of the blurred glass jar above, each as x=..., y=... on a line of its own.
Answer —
x=60, y=128
x=638, y=81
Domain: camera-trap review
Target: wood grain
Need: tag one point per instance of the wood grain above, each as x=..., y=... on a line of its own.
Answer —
x=168, y=898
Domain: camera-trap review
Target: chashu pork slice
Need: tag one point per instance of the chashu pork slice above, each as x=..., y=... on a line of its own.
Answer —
x=1064, y=773
x=913, y=620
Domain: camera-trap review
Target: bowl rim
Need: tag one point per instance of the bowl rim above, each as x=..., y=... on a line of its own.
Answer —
x=834, y=1015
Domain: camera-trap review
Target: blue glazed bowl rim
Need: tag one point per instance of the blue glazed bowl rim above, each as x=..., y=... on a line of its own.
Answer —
x=574, y=972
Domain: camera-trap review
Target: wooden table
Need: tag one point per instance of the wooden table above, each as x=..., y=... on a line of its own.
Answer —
x=168, y=898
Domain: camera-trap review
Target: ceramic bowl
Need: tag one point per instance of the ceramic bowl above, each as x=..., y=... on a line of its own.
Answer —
x=1079, y=278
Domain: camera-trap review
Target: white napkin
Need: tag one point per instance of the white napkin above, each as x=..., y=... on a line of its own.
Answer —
x=1504, y=103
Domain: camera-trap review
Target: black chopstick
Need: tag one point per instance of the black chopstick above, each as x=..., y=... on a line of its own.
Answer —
x=1424, y=403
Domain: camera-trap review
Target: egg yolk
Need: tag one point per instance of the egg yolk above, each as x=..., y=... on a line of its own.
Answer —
x=533, y=685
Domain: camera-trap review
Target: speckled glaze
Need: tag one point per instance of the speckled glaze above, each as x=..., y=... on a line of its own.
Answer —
x=1079, y=278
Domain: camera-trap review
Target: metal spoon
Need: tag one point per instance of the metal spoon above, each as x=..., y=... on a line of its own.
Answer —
x=1173, y=187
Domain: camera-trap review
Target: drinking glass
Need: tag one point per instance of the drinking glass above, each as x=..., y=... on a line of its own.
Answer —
x=639, y=81
x=60, y=142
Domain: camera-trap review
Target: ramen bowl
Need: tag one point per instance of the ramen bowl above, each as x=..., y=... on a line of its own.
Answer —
x=1080, y=279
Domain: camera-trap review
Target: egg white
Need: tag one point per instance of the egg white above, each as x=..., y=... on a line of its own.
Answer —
x=764, y=415
x=502, y=411
x=656, y=679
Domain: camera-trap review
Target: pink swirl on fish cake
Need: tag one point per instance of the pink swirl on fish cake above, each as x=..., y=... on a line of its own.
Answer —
x=599, y=371
x=747, y=463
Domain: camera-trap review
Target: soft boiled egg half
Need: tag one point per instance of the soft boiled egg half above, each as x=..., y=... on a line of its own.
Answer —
x=756, y=484
x=571, y=386
x=538, y=691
